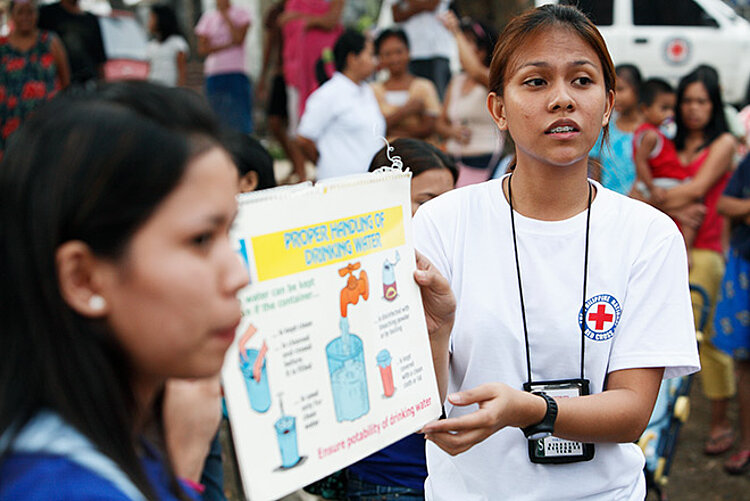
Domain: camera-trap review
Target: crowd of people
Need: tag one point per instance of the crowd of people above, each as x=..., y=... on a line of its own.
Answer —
x=556, y=150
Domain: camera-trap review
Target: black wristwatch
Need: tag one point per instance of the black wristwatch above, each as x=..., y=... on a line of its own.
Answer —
x=546, y=426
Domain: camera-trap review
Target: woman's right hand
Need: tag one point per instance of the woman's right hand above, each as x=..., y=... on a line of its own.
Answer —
x=499, y=406
x=191, y=416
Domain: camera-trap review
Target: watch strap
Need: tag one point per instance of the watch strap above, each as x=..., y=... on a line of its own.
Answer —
x=547, y=424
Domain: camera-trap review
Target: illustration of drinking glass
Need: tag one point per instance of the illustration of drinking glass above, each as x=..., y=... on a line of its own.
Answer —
x=386, y=374
x=286, y=435
x=257, y=390
x=346, y=366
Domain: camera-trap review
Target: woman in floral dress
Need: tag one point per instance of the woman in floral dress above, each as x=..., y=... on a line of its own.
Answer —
x=33, y=67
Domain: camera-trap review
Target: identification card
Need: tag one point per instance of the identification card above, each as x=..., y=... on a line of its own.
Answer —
x=553, y=450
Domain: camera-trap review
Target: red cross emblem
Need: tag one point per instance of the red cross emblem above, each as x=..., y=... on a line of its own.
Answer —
x=677, y=50
x=601, y=317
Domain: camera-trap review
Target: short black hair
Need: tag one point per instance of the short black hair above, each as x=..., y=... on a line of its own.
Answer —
x=652, y=88
x=388, y=33
x=350, y=42
x=250, y=155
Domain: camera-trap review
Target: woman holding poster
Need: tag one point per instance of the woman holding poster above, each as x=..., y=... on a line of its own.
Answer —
x=571, y=299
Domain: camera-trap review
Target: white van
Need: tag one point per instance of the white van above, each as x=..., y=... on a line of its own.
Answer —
x=668, y=38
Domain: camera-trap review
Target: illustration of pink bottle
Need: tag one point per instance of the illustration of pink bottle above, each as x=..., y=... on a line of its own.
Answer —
x=390, y=291
x=386, y=373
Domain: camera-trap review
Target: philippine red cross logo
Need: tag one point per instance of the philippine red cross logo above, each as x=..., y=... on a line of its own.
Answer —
x=677, y=51
x=601, y=315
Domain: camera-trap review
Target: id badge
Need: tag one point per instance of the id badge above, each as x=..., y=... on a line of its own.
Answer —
x=553, y=450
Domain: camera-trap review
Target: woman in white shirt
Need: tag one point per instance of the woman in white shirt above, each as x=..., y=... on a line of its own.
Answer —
x=168, y=50
x=572, y=300
x=342, y=125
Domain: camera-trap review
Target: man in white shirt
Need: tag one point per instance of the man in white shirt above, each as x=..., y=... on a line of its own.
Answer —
x=342, y=126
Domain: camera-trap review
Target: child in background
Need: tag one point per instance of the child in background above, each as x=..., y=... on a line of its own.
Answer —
x=657, y=165
x=654, y=154
x=615, y=168
x=733, y=308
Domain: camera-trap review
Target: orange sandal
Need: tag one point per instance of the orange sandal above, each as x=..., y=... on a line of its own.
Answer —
x=738, y=463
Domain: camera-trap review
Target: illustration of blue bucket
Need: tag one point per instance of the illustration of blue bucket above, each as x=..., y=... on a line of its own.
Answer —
x=346, y=366
x=286, y=434
x=257, y=391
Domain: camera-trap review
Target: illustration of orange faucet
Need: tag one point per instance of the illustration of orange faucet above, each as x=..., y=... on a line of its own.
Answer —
x=355, y=287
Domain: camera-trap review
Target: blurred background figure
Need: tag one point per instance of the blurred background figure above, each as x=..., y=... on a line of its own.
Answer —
x=431, y=43
x=168, y=50
x=309, y=27
x=432, y=171
x=221, y=38
x=254, y=163
x=409, y=104
x=614, y=166
x=733, y=309
x=277, y=110
x=33, y=67
x=472, y=137
x=706, y=149
x=342, y=124
x=80, y=34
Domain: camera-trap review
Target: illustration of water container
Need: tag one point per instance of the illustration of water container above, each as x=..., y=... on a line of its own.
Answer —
x=257, y=391
x=346, y=366
x=386, y=373
x=286, y=435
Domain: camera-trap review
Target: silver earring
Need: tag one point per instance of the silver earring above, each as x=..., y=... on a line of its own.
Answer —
x=96, y=302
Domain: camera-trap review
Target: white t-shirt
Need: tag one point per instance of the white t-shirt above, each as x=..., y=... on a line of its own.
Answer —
x=344, y=121
x=163, y=59
x=638, y=315
x=427, y=36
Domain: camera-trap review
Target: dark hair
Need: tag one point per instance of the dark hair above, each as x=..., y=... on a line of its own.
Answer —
x=483, y=35
x=631, y=74
x=84, y=167
x=391, y=33
x=653, y=88
x=249, y=155
x=419, y=156
x=166, y=22
x=350, y=42
x=717, y=124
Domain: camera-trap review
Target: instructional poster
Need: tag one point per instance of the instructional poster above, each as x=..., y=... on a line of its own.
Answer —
x=332, y=359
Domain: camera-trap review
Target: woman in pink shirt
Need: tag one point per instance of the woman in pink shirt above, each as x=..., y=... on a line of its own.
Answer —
x=221, y=38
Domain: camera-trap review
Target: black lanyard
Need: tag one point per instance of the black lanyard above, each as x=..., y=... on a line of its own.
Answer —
x=520, y=288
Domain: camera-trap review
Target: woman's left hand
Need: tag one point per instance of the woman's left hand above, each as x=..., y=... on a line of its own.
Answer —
x=437, y=297
x=498, y=405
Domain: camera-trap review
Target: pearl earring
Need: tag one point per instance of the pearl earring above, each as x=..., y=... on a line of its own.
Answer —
x=96, y=302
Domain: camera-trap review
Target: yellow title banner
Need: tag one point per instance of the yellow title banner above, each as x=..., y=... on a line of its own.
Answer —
x=309, y=247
